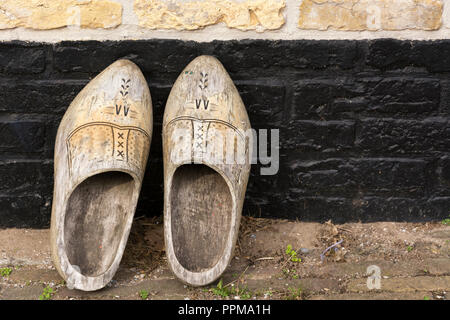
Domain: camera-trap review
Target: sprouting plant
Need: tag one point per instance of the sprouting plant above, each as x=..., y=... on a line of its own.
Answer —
x=5, y=272
x=245, y=294
x=290, y=273
x=295, y=294
x=143, y=294
x=224, y=291
x=220, y=290
x=409, y=248
x=446, y=222
x=47, y=293
x=268, y=293
x=292, y=254
x=426, y=298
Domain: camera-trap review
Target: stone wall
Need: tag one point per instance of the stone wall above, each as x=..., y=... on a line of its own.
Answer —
x=364, y=125
x=206, y=20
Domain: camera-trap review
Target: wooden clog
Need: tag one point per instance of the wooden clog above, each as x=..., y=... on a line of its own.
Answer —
x=204, y=187
x=101, y=151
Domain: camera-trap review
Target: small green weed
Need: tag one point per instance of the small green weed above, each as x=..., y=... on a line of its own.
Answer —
x=225, y=292
x=409, y=248
x=220, y=290
x=446, y=222
x=290, y=273
x=47, y=293
x=426, y=298
x=5, y=272
x=268, y=293
x=295, y=294
x=292, y=254
x=143, y=294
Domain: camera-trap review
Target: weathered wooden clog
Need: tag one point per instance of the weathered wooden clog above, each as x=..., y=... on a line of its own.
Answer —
x=101, y=151
x=206, y=168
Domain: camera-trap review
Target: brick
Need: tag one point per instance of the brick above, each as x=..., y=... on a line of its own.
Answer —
x=327, y=97
x=22, y=136
x=184, y=15
x=389, y=136
x=158, y=57
x=437, y=208
x=18, y=58
x=54, y=14
x=18, y=177
x=292, y=204
x=262, y=189
x=321, y=136
x=445, y=98
x=271, y=58
x=24, y=211
x=317, y=208
x=398, y=209
x=165, y=59
x=47, y=97
x=344, y=97
x=159, y=98
x=265, y=104
x=406, y=95
x=443, y=172
x=359, y=15
x=356, y=177
x=390, y=54
x=402, y=209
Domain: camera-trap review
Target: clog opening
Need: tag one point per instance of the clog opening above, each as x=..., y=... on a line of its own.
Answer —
x=201, y=209
x=95, y=220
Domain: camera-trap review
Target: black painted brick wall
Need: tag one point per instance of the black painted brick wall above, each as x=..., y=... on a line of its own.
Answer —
x=364, y=125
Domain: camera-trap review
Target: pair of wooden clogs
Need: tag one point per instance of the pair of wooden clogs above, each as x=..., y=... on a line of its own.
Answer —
x=101, y=152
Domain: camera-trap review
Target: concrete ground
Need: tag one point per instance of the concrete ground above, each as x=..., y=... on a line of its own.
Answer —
x=413, y=260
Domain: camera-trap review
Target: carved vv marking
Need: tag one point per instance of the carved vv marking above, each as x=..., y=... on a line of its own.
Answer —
x=125, y=110
x=198, y=103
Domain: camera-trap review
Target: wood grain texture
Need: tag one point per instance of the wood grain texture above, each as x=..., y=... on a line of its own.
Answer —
x=203, y=190
x=101, y=152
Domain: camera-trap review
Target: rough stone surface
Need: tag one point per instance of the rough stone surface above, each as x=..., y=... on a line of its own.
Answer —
x=53, y=14
x=357, y=15
x=192, y=15
x=259, y=266
x=405, y=284
x=22, y=58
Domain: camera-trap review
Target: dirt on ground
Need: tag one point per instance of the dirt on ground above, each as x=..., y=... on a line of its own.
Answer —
x=274, y=259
